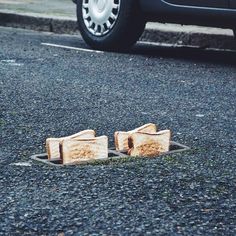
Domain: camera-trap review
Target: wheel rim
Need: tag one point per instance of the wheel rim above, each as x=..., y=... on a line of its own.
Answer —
x=100, y=16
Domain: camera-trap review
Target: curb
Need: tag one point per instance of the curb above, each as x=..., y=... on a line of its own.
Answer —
x=195, y=39
x=69, y=26
x=39, y=23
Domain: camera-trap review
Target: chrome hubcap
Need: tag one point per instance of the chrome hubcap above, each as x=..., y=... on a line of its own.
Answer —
x=100, y=15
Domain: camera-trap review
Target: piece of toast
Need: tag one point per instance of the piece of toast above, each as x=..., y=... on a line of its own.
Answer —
x=149, y=145
x=121, y=138
x=52, y=144
x=76, y=151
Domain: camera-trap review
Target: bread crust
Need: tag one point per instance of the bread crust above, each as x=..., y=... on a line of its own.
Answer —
x=149, y=145
x=52, y=144
x=121, y=137
x=76, y=151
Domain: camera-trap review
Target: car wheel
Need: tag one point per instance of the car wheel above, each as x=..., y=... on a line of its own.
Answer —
x=110, y=24
x=234, y=30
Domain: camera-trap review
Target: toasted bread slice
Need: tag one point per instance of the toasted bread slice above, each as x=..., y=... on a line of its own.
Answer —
x=149, y=145
x=52, y=144
x=121, y=138
x=76, y=151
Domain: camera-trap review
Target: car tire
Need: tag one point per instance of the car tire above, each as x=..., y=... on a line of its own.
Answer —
x=234, y=31
x=110, y=24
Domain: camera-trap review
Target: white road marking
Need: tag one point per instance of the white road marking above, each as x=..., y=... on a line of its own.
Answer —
x=200, y=115
x=21, y=164
x=11, y=62
x=71, y=48
x=8, y=61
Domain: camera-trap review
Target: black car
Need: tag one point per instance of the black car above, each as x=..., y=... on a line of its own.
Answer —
x=117, y=24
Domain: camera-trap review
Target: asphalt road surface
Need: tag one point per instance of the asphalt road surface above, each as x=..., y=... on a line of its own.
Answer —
x=52, y=92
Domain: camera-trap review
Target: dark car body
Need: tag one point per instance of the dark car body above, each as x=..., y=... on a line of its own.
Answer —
x=220, y=13
x=128, y=18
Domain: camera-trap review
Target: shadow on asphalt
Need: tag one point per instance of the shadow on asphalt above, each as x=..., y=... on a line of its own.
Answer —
x=194, y=54
x=222, y=57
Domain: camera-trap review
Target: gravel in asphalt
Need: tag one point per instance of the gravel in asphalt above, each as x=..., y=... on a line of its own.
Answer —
x=49, y=91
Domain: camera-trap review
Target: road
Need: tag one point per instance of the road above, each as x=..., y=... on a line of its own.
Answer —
x=48, y=91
